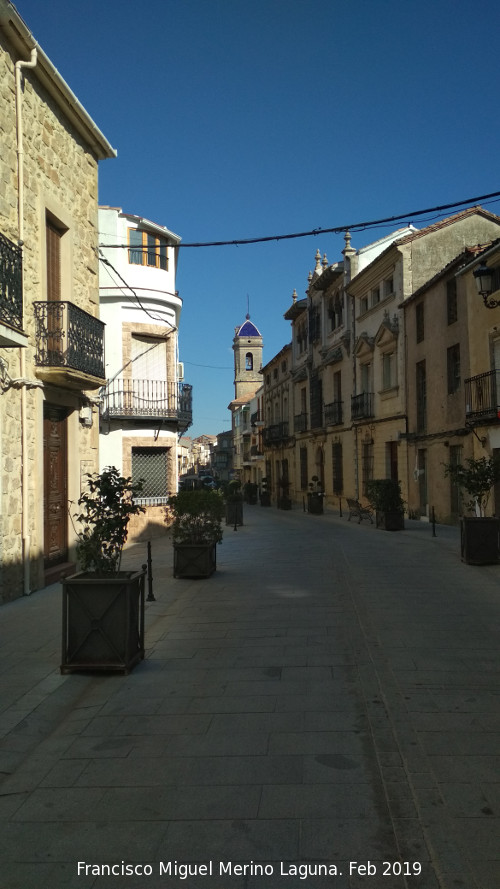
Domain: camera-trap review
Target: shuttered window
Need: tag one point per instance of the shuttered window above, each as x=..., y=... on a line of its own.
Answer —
x=53, y=237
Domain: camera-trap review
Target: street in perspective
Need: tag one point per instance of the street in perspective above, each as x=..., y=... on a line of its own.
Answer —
x=321, y=711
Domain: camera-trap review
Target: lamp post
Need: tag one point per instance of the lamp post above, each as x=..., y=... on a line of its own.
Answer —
x=483, y=277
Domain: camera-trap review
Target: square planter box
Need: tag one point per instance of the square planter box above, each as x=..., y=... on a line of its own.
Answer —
x=479, y=540
x=390, y=521
x=315, y=503
x=195, y=560
x=103, y=622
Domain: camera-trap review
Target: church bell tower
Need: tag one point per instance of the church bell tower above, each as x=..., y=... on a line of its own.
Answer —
x=247, y=347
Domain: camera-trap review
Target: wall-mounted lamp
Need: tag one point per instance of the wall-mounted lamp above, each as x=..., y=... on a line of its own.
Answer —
x=483, y=277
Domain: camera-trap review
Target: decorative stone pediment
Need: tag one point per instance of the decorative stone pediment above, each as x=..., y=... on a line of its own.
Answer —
x=333, y=356
x=388, y=331
x=364, y=346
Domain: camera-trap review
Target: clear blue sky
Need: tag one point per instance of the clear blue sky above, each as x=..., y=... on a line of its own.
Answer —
x=236, y=119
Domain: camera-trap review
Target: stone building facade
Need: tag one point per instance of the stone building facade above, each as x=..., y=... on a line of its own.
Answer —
x=51, y=341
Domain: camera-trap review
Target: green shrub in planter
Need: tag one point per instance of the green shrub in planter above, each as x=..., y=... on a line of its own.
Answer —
x=384, y=496
x=103, y=607
x=480, y=534
x=196, y=531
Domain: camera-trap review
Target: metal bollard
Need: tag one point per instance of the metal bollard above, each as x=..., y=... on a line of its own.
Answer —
x=433, y=523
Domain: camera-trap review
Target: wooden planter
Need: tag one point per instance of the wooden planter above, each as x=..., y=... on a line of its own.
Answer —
x=390, y=521
x=234, y=512
x=103, y=622
x=479, y=540
x=195, y=559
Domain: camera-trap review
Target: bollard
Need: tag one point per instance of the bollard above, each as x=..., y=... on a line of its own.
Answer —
x=340, y=507
x=151, y=597
x=433, y=523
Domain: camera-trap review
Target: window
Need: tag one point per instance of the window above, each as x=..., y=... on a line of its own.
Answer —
x=150, y=466
x=249, y=361
x=388, y=370
x=421, y=387
x=419, y=321
x=366, y=377
x=453, y=368
x=388, y=287
x=147, y=249
x=375, y=296
x=363, y=307
x=451, y=301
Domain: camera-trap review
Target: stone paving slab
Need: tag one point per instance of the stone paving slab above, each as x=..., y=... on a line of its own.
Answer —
x=328, y=698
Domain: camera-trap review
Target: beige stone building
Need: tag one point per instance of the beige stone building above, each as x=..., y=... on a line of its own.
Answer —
x=391, y=379
x=247, y=348
x=453, y=373
x=51, y=339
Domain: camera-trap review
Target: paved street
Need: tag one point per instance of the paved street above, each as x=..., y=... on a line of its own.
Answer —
x=327, y=701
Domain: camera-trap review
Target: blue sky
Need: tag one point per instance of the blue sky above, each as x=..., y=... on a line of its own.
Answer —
x=235, y=119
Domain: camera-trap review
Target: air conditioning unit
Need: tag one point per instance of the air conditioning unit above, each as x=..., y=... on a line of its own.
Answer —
x=180, y=370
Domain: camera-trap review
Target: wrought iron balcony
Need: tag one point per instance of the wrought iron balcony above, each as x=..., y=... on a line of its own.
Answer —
x=362, y=406
x=69, y=344
x=482, y=396
x=275, y=434
x=147, y=400
x=11, y=290
x=300, y=422
x=333, y=413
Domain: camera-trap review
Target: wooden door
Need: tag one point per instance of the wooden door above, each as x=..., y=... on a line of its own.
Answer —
x=55, y=487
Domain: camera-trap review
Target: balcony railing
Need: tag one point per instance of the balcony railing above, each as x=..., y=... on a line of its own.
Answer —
x=11, y=284
x=333, y=413
x=275, y=434
x=147, y=399
x=300, y=422
x=362, y=405
x=482, y=393
x=68, y=337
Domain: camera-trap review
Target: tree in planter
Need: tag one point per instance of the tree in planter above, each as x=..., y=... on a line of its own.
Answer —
x=106, y=508
x=479, y=537
x=384, y=496
x=196, y=530
x=476, y=478
x=103, y=607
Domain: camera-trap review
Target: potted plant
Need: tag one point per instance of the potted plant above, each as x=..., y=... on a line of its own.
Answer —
x=479, y=534
x=234, y=503
x=196, y=531
x=265, y=494
x=315, y=497
x=384, y=496
x=103, y=607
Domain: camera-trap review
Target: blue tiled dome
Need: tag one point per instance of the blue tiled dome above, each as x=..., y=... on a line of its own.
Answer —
x=248, y=328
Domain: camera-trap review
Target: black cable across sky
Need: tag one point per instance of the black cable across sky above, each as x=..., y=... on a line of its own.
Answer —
x=338, y=229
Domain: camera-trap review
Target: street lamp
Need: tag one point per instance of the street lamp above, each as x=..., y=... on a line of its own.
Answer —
x=484, y=283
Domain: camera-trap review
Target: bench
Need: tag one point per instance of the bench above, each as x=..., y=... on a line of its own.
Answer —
x=362, y=512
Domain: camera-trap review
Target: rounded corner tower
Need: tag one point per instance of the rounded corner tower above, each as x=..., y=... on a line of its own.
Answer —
x=247, y=347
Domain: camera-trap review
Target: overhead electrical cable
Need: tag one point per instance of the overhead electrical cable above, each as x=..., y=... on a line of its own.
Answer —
x=338, y=229
x=159, y=318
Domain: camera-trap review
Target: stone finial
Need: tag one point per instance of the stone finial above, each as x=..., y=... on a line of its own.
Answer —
x=325, y=261
x=294, y=295
x=310, y=277
x=318, y=260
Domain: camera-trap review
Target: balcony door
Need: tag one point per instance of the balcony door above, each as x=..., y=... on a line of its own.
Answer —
x=149, y=374
x=55, y=485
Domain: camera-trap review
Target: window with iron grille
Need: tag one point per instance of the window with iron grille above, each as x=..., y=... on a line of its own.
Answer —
x=316, y=401
x=150, y=465
x=337, y=468
x=451, y=301
x=453, y=366
x=304, y=475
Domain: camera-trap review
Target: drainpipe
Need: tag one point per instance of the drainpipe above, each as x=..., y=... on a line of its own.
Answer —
x=26, y=539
